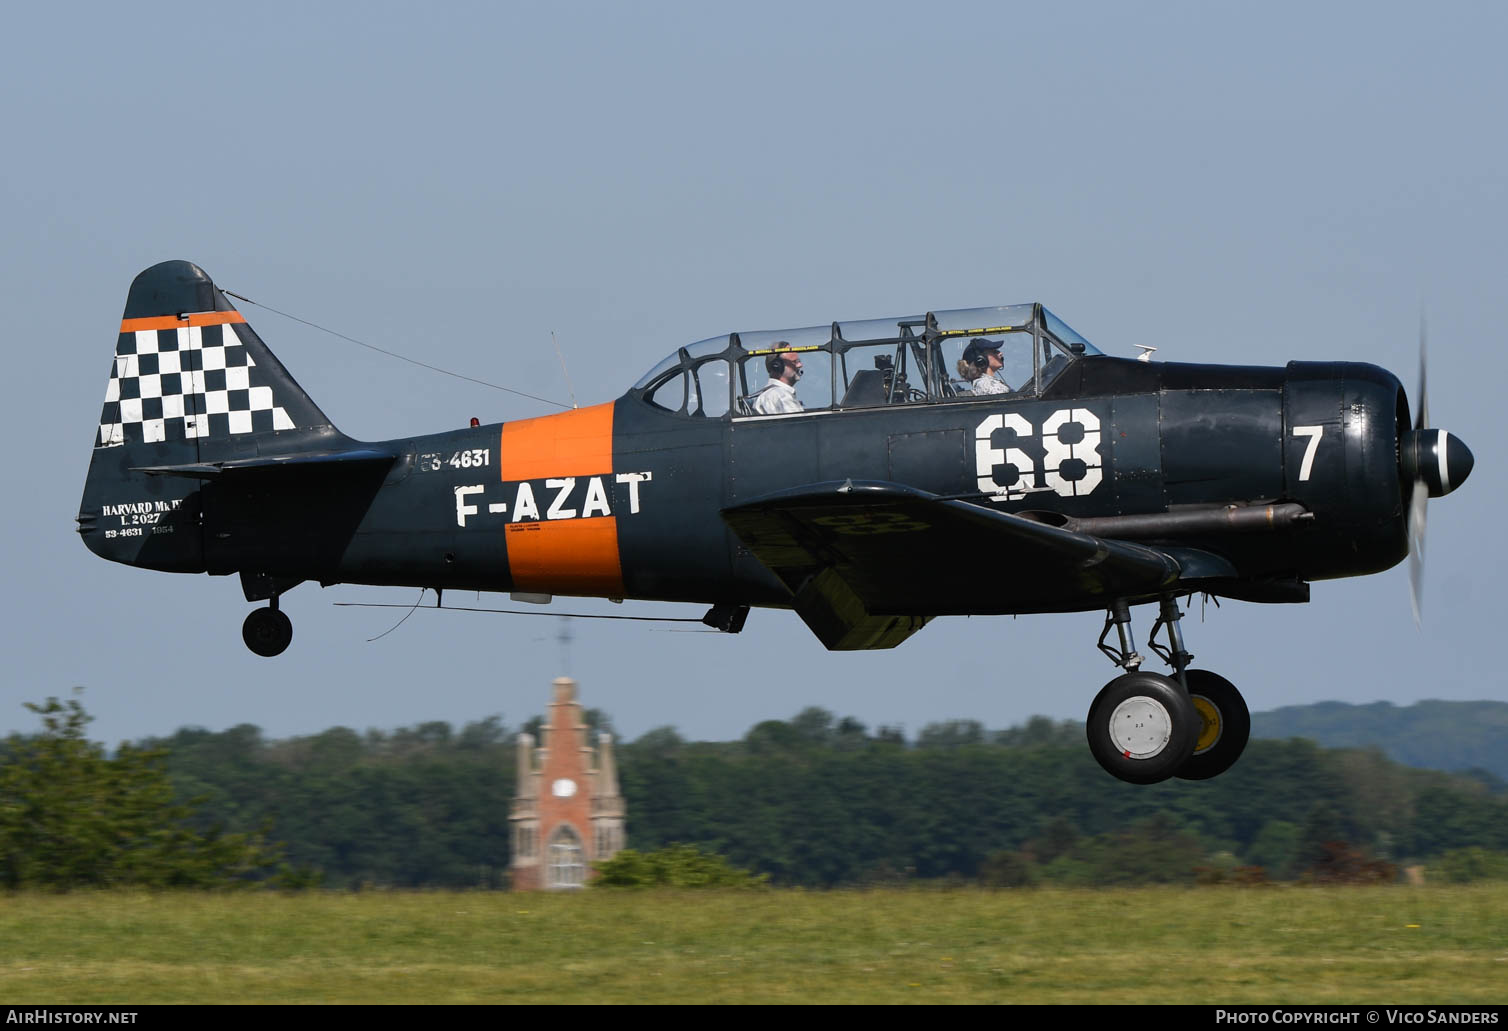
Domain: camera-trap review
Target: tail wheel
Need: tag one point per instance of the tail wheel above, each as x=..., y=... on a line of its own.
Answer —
x=267, y=632
x=1142, y=728
x=1225, y=725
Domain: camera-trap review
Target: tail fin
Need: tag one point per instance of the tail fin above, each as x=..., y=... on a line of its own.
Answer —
x=191, y=383
x=189, y=367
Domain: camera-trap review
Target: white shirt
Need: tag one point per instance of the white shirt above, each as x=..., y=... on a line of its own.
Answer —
x=777, y=398
x=989, y=383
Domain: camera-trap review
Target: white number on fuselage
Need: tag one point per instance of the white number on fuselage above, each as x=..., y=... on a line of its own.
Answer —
x=1314, y=433
x=1086, y=451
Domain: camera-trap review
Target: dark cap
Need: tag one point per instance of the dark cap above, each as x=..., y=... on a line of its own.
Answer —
x=975, y=353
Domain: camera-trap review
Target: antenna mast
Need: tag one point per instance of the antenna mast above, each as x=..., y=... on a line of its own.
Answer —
x=563, y=371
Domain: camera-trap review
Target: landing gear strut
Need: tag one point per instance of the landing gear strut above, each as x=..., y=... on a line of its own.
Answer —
x=1144, y=727
x=267, y=631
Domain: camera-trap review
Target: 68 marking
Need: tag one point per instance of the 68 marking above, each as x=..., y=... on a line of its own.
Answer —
x=1086, y=451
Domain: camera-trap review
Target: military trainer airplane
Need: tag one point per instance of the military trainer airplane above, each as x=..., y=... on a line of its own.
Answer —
x=869, y=475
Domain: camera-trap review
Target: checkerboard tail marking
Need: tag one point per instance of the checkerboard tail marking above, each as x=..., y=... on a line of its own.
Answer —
x=188, y=377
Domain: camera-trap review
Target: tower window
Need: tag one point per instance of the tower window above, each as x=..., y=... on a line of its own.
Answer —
x=567, y=867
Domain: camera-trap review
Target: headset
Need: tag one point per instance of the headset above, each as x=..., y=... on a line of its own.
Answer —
x=976, y=354
x=775, y=363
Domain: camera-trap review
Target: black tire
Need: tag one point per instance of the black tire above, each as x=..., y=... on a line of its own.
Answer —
x=1142, y=728
x=1225, y=725
x=267, y=632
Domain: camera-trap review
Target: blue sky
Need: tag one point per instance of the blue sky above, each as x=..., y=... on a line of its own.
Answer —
x=1228, y=183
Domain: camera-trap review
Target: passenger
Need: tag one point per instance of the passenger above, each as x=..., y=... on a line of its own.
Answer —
x=778, y=396
x=980, y=365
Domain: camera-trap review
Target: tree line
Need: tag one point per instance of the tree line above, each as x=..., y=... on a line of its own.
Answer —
x=818, y=801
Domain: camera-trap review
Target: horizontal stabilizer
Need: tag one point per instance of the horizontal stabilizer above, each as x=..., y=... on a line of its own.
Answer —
x=262, y=464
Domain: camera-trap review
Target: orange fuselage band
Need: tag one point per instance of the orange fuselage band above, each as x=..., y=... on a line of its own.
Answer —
x=562, y=556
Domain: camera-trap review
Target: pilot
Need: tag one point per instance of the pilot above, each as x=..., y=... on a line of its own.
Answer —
x=980, y=365
x=778, y=396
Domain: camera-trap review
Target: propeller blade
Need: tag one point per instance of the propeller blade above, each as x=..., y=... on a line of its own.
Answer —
x=1418, y=501
x=1423, y=420
x=1419, y=495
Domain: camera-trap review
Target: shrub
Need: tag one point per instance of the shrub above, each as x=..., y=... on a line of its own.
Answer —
x=674, y=866
x=1464, y=865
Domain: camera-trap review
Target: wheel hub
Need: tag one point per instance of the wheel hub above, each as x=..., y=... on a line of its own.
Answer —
x=1210, y=726
x=1140, y=727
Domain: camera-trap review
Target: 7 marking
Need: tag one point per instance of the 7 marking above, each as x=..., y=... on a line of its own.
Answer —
x=1314, y=433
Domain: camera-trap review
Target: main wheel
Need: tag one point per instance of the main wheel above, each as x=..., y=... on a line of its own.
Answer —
x=267, y=632
x=1142, y=728
x=1225, y=725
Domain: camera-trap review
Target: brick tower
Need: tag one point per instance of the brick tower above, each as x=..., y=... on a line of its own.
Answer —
x=567, y=812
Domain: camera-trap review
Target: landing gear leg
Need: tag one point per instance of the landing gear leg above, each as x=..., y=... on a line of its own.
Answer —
x=1172, y=653
x=1142, y=727
x=267, y=631
x=1126, y=657
x=1224, y=721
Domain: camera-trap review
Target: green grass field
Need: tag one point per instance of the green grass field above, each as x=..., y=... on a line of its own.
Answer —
x=1202, y=946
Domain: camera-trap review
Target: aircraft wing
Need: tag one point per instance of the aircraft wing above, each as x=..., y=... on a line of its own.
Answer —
x=869, y=563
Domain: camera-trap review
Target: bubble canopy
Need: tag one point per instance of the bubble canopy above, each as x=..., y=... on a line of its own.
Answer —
x=900, y=360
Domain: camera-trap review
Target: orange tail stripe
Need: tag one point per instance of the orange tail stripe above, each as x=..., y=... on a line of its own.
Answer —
x=569, y=556
x=198, y=318
x=576, y=443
